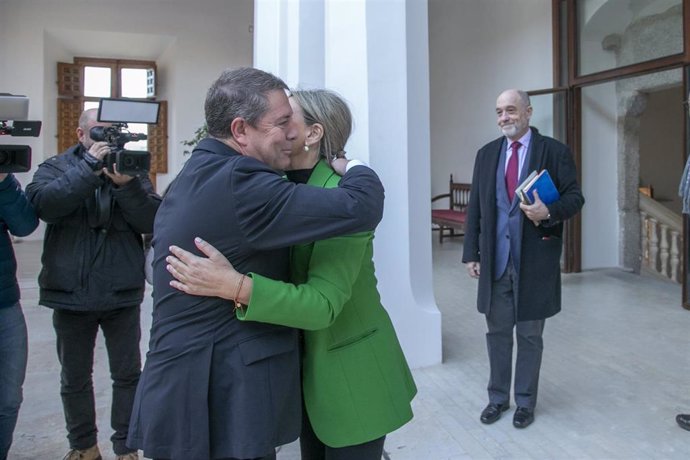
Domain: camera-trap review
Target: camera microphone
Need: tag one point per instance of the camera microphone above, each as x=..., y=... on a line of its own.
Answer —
x=133, y=137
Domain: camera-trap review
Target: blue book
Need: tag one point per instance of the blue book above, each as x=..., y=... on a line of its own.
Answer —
x=542, y=183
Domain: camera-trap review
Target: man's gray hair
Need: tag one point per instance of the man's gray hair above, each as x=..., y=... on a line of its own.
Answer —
x=331, y=111
x=88, y=116
x=238, y=93
x=524, y=97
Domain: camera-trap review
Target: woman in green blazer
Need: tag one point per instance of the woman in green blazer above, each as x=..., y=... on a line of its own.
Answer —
x=357, y=386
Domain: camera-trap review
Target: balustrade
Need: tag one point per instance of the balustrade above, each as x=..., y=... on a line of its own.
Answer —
x=661, y=239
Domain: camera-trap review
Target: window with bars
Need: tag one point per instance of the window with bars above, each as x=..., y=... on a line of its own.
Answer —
x=84, y=82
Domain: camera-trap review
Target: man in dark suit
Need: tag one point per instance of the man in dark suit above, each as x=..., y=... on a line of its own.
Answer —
x=214, y=387
x=515, y=249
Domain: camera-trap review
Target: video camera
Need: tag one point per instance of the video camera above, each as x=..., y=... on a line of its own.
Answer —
x=13, y=113
x=119, y=112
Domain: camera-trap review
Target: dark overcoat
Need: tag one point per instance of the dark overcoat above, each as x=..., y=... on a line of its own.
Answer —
x=539, y=284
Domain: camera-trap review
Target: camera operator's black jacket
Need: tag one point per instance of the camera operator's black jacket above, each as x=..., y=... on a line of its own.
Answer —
x=93, y=257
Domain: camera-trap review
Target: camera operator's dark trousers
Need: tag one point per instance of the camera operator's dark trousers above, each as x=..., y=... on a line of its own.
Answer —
x=76, y=338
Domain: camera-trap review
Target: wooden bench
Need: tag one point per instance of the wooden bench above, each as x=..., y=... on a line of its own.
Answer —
x=451, y=220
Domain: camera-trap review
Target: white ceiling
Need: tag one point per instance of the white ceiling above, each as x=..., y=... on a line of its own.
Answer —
x=110, y=44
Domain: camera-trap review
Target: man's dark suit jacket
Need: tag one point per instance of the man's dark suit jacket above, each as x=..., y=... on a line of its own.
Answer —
x=214, y=387
x=539, y=285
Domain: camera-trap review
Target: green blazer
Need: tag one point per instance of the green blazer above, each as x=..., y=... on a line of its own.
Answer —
x=356, y=382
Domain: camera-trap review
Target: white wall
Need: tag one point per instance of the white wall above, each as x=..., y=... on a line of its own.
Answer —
x=476, y=50
x=192, y=43
x=19, y=73
x=3, y=41
x=600, y=220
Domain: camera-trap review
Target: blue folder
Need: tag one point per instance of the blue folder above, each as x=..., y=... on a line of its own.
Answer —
x=543, y=184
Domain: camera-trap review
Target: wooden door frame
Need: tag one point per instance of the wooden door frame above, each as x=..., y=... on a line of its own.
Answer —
x=565, y=59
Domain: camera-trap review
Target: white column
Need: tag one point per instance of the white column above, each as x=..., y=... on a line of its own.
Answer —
x=269, y=31
x=346, y=67
x=289, y=40
x=375, y=54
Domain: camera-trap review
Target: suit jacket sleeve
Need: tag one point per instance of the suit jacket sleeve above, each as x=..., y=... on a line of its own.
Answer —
x=333, y=268
x=274, y=213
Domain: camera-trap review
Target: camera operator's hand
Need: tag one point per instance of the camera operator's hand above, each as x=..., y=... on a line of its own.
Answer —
x=117, y=178
x=99, y=150
x=94, y=156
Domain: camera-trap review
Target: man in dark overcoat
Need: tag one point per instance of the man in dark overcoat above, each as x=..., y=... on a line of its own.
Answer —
x=515, y=249
x=214, y=387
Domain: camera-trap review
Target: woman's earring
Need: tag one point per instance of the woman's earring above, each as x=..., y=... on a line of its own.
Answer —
x=306, y=148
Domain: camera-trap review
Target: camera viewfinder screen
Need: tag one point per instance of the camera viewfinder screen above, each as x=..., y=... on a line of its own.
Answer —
x=128, y=111
x=13, y=107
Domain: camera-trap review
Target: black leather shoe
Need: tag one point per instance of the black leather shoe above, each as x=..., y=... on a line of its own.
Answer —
x=683, y=421
x=523, y=417
x=492, y=412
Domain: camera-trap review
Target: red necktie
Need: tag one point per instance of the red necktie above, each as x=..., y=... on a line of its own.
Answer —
x=512, y=170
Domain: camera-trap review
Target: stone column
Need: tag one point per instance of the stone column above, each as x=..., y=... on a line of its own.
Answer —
x=375, y=54
x=631, y=106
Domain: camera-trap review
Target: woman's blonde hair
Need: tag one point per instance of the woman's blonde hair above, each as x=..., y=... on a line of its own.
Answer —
x=329, y=110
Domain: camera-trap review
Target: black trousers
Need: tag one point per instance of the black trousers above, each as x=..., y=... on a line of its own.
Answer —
x=313, y=449
x=76, y=339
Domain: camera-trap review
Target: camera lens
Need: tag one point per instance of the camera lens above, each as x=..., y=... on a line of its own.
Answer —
x=97, y=133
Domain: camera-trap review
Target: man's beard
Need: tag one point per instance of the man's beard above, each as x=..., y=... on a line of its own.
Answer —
x=509, y=130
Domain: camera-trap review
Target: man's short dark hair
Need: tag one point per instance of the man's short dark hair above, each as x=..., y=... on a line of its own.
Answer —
x=238, y=93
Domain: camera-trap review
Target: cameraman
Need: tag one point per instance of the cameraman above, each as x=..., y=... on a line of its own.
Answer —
x=93, y=276
x=16, y=217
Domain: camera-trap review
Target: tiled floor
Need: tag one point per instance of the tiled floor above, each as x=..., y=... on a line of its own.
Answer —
x=614, y=375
